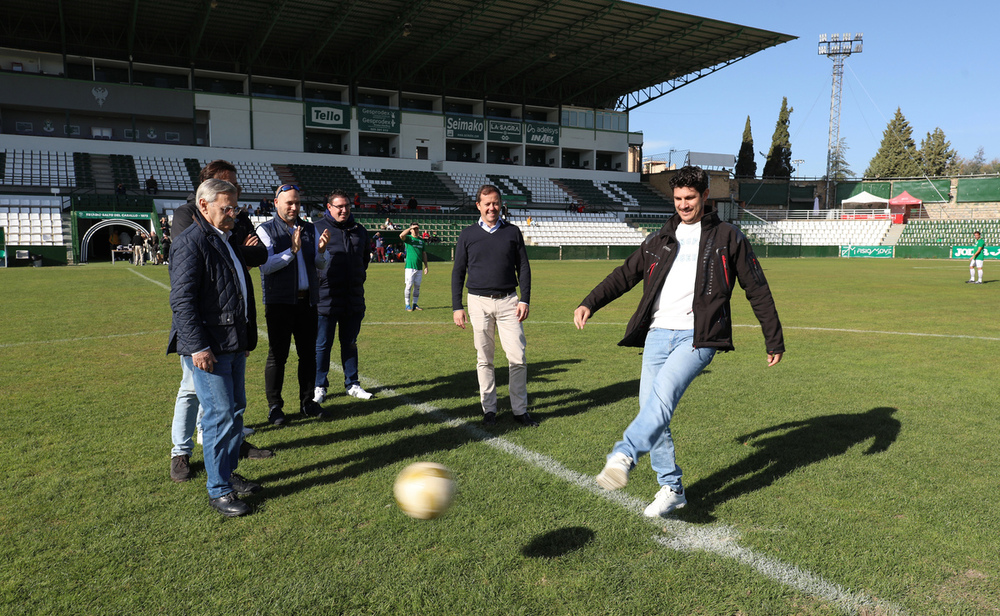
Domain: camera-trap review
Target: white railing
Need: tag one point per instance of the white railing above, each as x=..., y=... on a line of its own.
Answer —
x=838, y=214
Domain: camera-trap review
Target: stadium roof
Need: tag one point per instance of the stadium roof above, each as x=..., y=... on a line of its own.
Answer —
x=593, y=53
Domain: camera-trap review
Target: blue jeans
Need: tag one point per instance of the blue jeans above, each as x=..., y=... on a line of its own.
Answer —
x=222, y=394
x=669, y=364
x=187, y=415
x=326, y=328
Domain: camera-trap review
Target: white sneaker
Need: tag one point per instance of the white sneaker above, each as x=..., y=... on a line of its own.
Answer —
x=248, y=431
x=357, y=392
x=666, y=501
x=615, y=473
x=319, y=395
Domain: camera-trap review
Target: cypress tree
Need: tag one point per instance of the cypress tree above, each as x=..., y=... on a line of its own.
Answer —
x=746, y=166
x=779, y=157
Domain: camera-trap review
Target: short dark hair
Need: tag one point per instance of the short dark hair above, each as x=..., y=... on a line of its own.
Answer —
x=487, y=189
x=690, y=177
x=214, y=168
x=337, y=193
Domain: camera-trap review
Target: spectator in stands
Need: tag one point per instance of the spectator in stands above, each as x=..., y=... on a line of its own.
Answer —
x=120, y=189
x=341, y=295
x=683, y=318
x=357, y=200
x=426, y=235
x=492, y=253
x=398, y=200
x=529, y=222
x=208, y=278
x=379, y=248
x=252, y=253
x=152, y=187
x=264, y=207
x=412, y=203
x=416, y=265
x=296, y=254
x=978, y=254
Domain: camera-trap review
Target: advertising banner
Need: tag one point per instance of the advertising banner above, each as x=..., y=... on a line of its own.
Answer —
x=965, y=252
x=867, y=252
x=464, y=127
x=541, y=134
x=378, y=120
x=106, y=215
x=504, y=130
x=328, y=115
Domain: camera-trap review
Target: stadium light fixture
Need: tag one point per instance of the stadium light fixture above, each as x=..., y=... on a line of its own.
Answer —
x=836, y=48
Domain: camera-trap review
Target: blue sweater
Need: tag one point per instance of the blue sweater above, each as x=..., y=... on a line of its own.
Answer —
x=496, y=263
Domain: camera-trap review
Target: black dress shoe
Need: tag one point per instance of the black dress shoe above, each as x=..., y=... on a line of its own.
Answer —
x=276, y=417
x=229, y=506
x=490, y=419
x=313, y=409
x=526, y=420
x=250, y=452
x=243, y=486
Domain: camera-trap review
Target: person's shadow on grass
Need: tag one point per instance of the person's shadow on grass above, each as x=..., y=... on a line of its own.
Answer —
x=786, y=447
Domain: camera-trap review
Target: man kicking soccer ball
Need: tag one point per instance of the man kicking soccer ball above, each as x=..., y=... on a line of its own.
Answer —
x=978, y=254
x=688, y=269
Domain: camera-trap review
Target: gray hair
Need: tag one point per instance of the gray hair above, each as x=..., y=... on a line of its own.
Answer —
x=211, y=188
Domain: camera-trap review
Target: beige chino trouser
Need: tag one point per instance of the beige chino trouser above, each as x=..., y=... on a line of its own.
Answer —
x=488, y=316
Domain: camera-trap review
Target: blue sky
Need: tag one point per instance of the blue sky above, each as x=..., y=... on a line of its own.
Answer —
x=932, y=60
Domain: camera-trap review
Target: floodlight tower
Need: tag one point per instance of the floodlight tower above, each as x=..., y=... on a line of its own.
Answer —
x=836, y=48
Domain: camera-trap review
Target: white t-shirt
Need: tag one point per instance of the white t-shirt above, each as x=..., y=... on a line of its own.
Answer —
x=673, y=308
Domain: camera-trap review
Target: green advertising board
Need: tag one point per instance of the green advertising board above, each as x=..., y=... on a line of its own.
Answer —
x=464, y=127
x=504, y=130
x=378, y=120
x=867, y=252
x=3, y=247
x=328, y=115
x=965, y=252
x=541, y=134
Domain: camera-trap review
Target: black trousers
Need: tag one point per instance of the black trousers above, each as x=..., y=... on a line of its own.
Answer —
x=285, y=321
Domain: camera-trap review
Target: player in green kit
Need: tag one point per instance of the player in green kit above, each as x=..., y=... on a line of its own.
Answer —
x=416, y=258
x=978, y=254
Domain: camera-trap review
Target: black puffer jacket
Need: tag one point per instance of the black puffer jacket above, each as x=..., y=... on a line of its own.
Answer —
x=342, y=283
x=205, y=294
x=724, y=257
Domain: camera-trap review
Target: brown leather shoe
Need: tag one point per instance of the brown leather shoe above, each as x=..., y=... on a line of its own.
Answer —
x=180, y=469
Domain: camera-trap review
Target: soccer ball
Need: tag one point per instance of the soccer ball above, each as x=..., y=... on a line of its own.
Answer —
x=424, y=490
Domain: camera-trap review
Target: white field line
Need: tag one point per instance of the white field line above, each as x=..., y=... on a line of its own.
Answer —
x=719, y=539
x=677, y=535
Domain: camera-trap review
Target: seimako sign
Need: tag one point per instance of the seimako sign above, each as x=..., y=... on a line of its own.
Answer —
x=541, y=134
x=328, y=115
x=464, y=127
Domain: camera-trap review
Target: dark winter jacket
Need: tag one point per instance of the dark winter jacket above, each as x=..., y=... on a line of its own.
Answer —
x=342, y=284
x=205, y=294
x=254, y=256
x=724, y=258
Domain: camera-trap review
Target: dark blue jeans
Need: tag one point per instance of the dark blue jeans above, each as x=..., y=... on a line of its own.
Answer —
x=326, y=328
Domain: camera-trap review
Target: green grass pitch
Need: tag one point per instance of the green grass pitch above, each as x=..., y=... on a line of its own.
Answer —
x=857, y=476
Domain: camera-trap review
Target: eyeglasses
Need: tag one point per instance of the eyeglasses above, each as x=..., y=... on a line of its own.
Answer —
x=286, y=187
x=229, y=209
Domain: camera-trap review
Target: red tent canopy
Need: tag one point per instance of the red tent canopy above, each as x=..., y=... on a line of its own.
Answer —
x=904, y=198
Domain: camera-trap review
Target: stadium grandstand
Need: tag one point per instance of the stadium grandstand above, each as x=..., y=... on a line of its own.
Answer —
x=532, y=96
x=101, y=95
